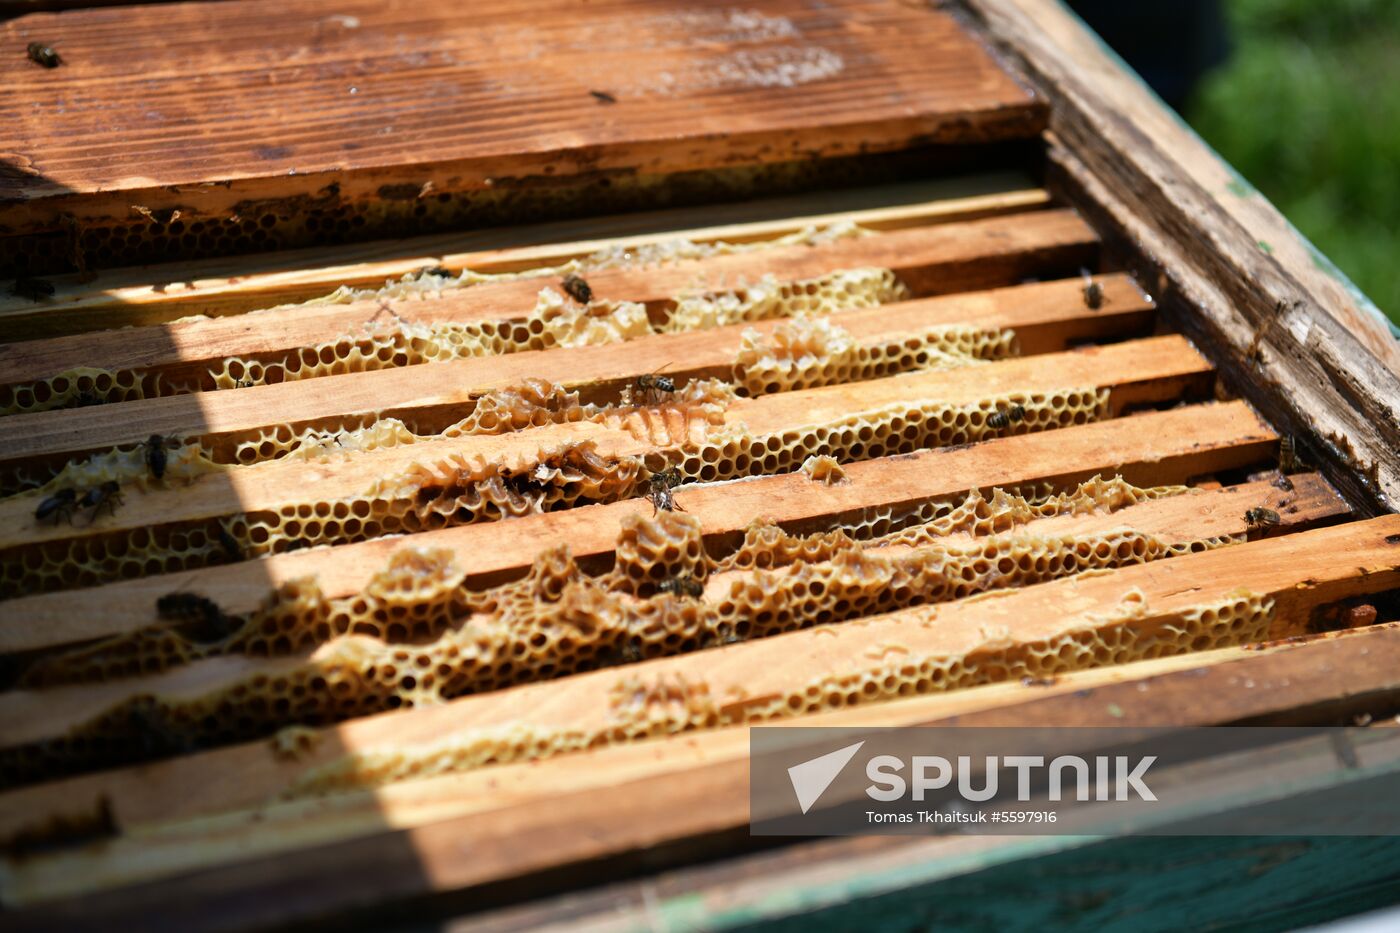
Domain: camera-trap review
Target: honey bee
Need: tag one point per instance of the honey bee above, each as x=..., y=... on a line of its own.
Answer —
x=107, y=496
x=233, y=551
x=1005, y=417
x=59, y=505
x=66, y=830
x=33, y=289
x=438, y=271
x=578, y=289
x=199, y=618
x=650, y=388
x=1093, y=292
x=659, y=491
x=156, y=458
x=1260, y=517
x=41, y=54
x=681, y=585
x=603, y=97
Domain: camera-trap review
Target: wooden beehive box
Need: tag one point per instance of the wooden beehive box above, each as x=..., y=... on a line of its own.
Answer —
x=436, y=584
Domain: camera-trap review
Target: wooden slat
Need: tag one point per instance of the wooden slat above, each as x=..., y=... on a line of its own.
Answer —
x=487, y=556
x=1154, y=370
x=930, y=260
x=159, y=846
x=299, y=95
x=1046, y=317
x=1289, y=571
x=1288, y=326
x=226, y=285
x=658, y=778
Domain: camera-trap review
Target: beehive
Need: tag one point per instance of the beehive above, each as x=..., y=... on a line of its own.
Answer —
x=874, y=408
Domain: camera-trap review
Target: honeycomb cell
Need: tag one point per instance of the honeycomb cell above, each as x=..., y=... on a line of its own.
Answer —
x=415, y=636
x=806, y=352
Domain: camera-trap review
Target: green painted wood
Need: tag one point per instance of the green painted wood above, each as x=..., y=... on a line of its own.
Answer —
x=1140, y=884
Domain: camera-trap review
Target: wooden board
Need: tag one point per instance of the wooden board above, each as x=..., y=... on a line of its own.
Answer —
x=358, y=100
x=517, y=837
x=1289, y=328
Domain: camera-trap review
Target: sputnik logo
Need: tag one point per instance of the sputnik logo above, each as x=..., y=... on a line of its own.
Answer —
x=811, y=778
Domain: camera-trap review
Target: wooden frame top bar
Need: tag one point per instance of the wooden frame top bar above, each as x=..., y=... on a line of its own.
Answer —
x=357, y=100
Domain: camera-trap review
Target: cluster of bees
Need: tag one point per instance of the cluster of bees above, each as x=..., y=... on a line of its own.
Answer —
x=108, y=495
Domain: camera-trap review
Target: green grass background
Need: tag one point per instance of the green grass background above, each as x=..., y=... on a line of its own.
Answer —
x=1308, y=110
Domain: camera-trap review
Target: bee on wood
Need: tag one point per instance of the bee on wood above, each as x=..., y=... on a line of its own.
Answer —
x=681, y=585
x=438, y=271
x=652, y=387
x=33, y=289
x=44, y=55
x=199, y=618
x=603, y=97
x=107, y=496
x=659, y=491
x=66, y=831
x=59, y=505
x=1005, y=417
x=1093, y=292
x=1260, y=517
x=578, y=289
x=156, y=458
x=233, y=551
x=1288, y=459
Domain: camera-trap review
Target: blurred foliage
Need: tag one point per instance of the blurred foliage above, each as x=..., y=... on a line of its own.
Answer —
x=1308, y=110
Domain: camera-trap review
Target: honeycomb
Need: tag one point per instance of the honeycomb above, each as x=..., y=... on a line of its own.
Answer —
x=684, y=433
x=895, y=429
x=669, y=704
x=430, y=284
x=386, y=341
x=770, y=298
x=414, y=636
x=427, y=496
x=807, y=352
x=397, y=605
x=824, y=470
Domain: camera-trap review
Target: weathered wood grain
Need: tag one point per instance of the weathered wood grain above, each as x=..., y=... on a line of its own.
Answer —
x=1286, y=326
x=355, y=100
